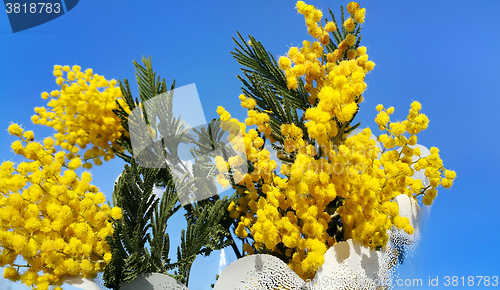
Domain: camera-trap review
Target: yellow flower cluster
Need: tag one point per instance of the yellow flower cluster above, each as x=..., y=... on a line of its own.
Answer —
x=431, y=164
x=260, y=208
x=251, y=143
x=82, y=113
x=52, y=218
x=288, y=213
x=335, y=86
x=357, y=14
x=309, y=61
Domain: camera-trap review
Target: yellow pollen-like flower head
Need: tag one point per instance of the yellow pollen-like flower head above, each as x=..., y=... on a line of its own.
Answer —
x=15, y=129
x=352, y=7
x=349, y=24
x=330, y=26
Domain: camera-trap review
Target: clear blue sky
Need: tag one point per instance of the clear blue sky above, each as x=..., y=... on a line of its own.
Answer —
x=441, y=53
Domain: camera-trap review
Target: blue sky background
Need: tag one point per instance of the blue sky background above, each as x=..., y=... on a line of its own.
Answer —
x=441, y=53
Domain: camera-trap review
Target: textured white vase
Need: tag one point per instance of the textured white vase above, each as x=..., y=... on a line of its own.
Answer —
x=156, y=281
x=82, y=283
x=409, y=208
x=348, y=265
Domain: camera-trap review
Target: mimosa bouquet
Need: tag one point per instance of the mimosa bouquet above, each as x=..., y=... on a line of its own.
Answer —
x=314, y=194
x=329, y=180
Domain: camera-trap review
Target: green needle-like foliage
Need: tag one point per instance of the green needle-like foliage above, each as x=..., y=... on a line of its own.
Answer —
x=135, y=196
x=204, y=234
x=140, y=242
x=265, y=82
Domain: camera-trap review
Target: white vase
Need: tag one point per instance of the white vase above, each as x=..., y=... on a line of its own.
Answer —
x=150, y=281
x=82, y=283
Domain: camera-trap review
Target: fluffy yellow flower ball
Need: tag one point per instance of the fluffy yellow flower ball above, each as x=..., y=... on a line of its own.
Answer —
x=15, y=129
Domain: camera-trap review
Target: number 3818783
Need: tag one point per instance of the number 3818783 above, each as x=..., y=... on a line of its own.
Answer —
x=33, y=8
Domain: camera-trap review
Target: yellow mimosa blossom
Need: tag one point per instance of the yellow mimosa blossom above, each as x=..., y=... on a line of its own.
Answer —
x=50, y=217
x=82, y=113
